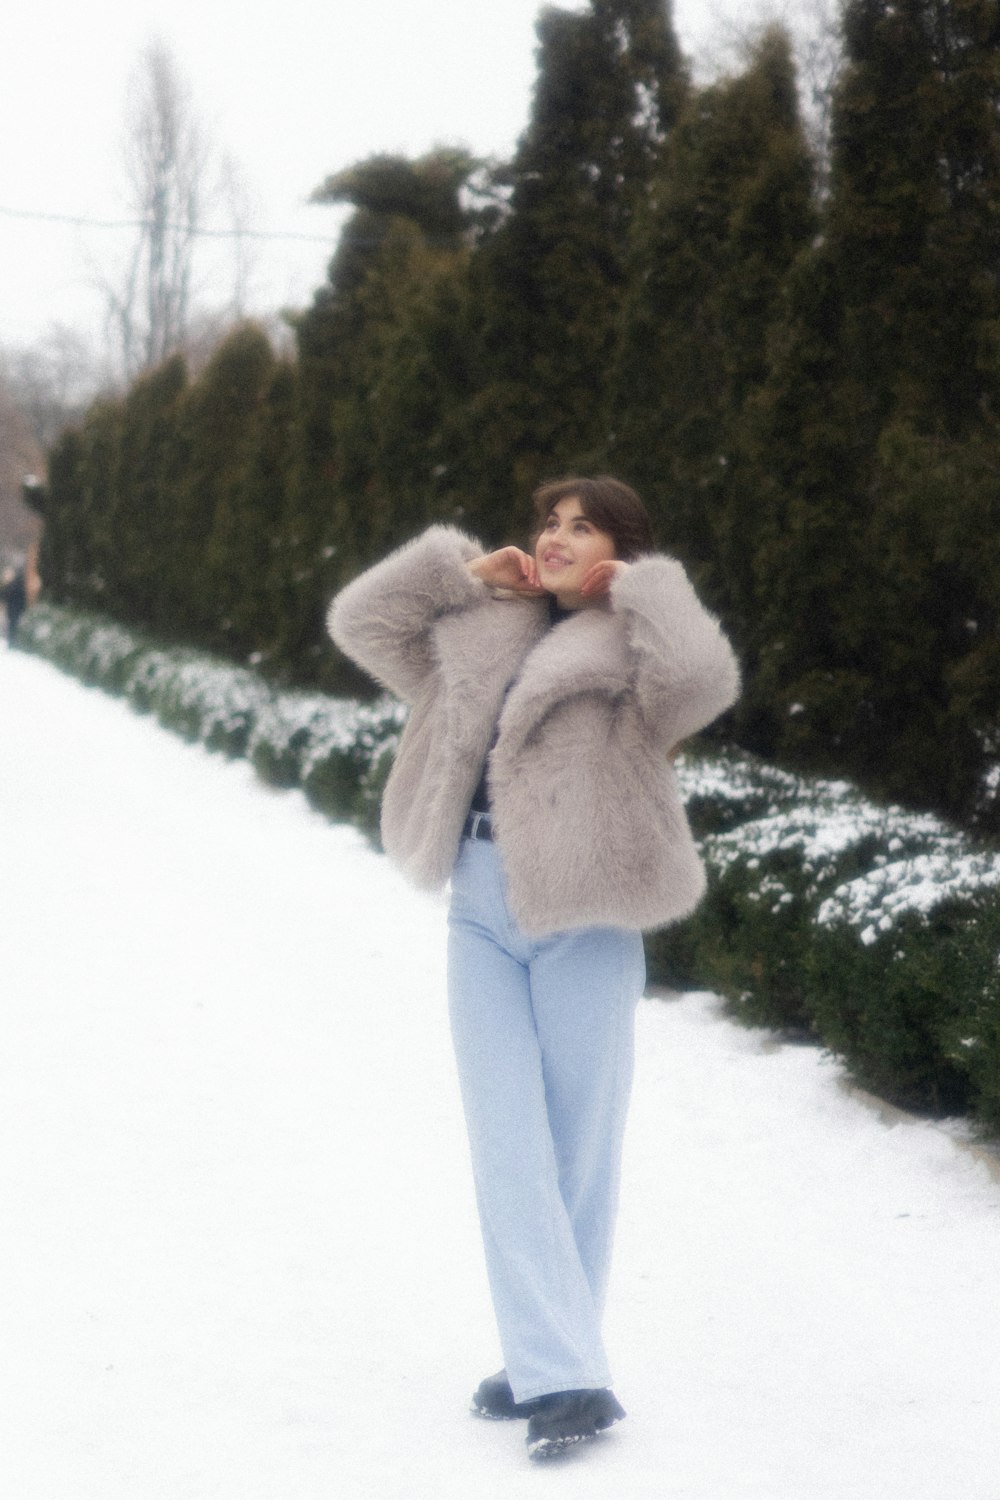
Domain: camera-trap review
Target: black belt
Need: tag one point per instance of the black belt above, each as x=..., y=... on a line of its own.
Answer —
x=478, y=825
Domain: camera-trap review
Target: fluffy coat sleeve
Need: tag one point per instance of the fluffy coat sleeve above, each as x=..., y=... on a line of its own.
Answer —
x=685, y=670
x=383, y=618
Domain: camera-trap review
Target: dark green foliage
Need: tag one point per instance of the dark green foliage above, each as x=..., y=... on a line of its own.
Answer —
x=282, y=737
x=749, y=953
x=381, y=375
x=894, y=1009
x=870, y=444
x=548, y=281
x=971, y=1039
x=913, y=221
x=77, y=543
x=147, y=537
x=228, y=507
x=386, y=188
x=730, y=209
x=872, y=930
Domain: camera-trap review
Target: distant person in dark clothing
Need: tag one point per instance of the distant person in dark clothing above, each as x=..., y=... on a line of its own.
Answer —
x=15, y=598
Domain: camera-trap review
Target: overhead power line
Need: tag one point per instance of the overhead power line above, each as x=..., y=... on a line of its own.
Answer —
x=215, y=234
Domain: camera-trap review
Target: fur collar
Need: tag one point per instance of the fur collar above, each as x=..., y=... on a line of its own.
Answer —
x=586, y=653
x=480, y=653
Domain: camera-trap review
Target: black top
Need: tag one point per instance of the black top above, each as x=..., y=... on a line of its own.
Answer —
x=481, y=796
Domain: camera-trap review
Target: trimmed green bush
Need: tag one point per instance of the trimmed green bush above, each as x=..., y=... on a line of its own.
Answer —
x=212, y=702
x=905, y=982
x=336, y=750
x=91, y=648
x=285, y=728
x=871, y=929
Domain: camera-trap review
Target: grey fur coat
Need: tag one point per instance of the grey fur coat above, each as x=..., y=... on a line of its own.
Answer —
x=586, y=812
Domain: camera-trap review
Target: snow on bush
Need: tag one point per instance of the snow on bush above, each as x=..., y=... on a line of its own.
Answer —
x=210, y=701
x=286, y=725
x=917, y=862
x=727, y=789
x=874, y=929
x=338, y=751
x=877, y=902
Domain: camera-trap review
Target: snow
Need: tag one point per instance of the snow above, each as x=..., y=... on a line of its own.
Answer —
x=875, y=902
x=803, y=826
x=238, y=1244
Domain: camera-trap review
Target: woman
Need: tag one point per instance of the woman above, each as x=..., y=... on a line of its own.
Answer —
x=547, y=691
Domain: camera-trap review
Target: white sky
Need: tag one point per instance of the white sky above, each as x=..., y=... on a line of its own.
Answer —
x=292, y=90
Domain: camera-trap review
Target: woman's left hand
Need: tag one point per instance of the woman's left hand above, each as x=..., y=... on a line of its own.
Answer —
x=598, y=579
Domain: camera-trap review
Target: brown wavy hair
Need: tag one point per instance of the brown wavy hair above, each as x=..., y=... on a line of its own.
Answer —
x=609, y=504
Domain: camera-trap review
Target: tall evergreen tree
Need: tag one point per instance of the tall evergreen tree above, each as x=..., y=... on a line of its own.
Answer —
x=548, y=282
x=888, y=346
x=227, y=421
x=76, y=540
x=378, y=359
x=140, y=498
x=913, y=221
x=731, y=207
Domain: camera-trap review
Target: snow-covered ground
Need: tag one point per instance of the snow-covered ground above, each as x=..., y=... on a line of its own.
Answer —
x=238, y=1250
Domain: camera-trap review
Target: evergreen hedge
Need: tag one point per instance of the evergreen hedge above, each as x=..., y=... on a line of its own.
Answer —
x=869, y=929
x=337, y=750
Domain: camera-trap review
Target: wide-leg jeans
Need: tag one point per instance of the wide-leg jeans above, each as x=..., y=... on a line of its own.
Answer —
x=543, y=1031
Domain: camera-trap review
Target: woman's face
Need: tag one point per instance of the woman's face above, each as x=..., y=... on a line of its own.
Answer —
x=568, y=547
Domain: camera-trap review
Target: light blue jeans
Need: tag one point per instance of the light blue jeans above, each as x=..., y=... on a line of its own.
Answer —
x=543, y=1031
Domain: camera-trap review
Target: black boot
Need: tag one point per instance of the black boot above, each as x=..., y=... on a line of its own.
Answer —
x=568, y=1417
x=494, y=1398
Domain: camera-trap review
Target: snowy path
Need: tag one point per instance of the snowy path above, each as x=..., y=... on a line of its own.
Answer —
x=238, y=1254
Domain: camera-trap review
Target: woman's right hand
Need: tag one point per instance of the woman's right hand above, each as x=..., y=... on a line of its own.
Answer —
x=508, y=568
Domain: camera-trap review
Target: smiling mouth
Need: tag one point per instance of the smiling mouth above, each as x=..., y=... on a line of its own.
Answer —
x=554, y=560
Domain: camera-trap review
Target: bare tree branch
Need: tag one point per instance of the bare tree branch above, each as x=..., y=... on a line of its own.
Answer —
x=167, y=161
x=167, y=164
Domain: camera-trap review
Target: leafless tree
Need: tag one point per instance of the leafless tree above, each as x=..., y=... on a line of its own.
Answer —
x=236, y=199
x=20, y=454
x=52, y=381
x=815, y=29
x=820, y=54
x=167, y=162
x=176, y=180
